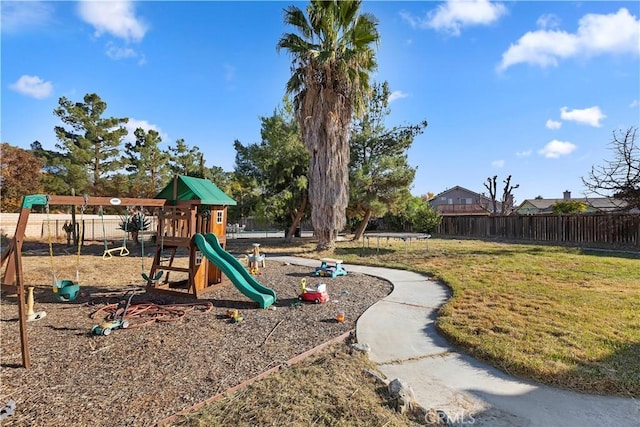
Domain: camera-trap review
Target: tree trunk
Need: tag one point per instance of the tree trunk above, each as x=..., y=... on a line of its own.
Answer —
x=325, y=121
x=326, y=240
x=297, y=218
x=362, y=226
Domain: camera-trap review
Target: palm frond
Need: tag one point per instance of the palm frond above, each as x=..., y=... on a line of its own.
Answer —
x=295, y=17
x=347, y=10
x=365, y=31
x=296, y=81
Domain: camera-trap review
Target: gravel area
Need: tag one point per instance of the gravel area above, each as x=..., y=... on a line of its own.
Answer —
x=140, y=375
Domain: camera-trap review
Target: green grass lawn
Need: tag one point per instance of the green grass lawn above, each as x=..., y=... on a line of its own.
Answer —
x=558, y=315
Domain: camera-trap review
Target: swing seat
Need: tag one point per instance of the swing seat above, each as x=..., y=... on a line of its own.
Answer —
x=153, y=279
x=65, y=290
x=123, y=252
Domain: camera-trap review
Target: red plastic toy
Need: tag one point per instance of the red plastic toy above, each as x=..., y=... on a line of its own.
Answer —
x=318, y=295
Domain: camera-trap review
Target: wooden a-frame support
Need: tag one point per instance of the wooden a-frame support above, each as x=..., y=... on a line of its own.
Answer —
x=13, y=279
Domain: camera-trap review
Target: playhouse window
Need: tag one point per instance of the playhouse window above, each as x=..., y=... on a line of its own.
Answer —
x=219, y=217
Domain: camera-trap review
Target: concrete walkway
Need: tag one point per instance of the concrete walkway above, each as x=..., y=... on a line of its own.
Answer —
x=405, y=344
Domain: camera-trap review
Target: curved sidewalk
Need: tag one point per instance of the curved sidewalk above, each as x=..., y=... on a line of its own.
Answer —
x=405, y=344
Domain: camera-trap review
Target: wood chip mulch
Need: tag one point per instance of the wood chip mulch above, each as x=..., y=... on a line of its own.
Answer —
x=140, y=375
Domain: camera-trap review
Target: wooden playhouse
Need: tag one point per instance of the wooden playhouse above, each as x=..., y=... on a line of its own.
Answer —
x=193, y=205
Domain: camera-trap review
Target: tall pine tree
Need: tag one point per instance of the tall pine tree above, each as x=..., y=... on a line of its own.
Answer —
x=185, y=160
x=88, y=139
x=146, y=162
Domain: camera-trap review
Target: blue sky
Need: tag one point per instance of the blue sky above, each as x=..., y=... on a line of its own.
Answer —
x=528, y=89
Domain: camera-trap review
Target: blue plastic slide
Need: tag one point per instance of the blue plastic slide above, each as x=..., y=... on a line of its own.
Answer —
x=234, y=270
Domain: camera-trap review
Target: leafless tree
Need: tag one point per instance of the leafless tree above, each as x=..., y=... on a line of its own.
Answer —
x=619, y=177
x=507, y=196
x=491, y=186
x=506, y=203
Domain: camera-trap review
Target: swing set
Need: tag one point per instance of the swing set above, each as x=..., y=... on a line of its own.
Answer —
x=65, y=290
x=185, y=208
x=138, y=224
x=124, y=251
x=13, y=278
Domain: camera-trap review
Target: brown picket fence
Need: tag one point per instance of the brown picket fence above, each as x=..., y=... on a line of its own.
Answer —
x=618, y=230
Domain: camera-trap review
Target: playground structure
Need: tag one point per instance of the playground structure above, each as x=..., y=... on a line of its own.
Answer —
x=330, y=267
x=13, y=278
x=193, y=207
x=210, y=247
x=192, y=215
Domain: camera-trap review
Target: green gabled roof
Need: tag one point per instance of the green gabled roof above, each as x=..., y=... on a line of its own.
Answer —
x=190, y=188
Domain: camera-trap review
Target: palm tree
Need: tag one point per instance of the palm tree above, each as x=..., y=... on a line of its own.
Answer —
x=332, y=57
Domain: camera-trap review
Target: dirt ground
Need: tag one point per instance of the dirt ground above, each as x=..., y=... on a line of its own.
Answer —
x=140, y=375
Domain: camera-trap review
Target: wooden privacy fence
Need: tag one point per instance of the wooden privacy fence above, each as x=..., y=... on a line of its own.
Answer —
x=601, y=229
x=95, y=228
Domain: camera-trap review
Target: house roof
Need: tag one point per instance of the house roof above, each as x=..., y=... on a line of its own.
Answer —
x=605, y=203
x=190, y=188
x=457, y=187
x=599, y=203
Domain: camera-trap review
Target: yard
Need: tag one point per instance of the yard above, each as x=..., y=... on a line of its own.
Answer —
x=565, y=317
x=561, y=316
x=150, y=371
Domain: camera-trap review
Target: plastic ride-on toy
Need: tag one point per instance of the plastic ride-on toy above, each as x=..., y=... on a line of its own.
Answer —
x=318, y=295
x=105, y=328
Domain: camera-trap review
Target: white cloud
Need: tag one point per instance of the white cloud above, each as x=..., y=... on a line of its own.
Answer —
x=554, y=149
x=32, y=86
x=23, y=16
x=498, y=164
x=114, y=17
x=413, y=21
x=596, y=35
x=617, y=33
x=588, y=116
x=526, y=153
x=134, y=124
x=552, y=124
x=397, y=94
x=453, y=15
x=540, y=48
x=548, y=20
x=633, y=104
x=116, y=52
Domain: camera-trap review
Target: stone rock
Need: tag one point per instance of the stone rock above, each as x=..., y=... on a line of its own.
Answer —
x=403, y=395
x=362, y=347
x=378, y=377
